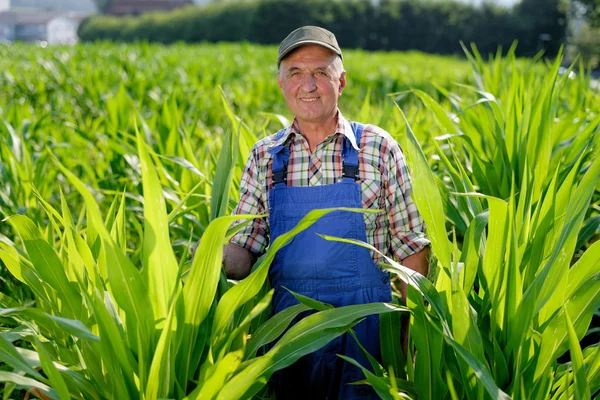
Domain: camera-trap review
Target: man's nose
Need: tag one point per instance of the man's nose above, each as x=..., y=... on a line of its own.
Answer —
x=309, y=83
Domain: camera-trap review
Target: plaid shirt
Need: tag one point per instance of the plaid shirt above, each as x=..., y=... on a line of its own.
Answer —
x=385, y=184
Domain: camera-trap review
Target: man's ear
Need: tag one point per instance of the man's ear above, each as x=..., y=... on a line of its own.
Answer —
x=342, y=82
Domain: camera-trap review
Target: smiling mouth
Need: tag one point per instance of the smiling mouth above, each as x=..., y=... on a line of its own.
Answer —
x=309, y=99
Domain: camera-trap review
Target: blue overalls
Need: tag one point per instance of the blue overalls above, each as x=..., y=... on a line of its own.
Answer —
x=332, y=272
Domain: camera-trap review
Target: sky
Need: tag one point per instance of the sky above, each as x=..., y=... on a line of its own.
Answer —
x=506, y=3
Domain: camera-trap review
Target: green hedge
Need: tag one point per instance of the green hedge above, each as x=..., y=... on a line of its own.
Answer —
x=435, y=27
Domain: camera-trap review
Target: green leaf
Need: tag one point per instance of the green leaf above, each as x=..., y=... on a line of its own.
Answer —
x=426, y=195
x=73, y=327
x=56, y=380
x=581, y=306
x=390, y=339
x=308, y=335
x=199, y=291
x=28, y=383
x=540, y=291
x=160, y=266
x=412, y=278
x=589, y=229
x=118, y=230
x=22, y=269
x=428, y=342
x=593, y=371
x=273, y=328
x=312, y=303
x=160, y=379
x=79, y=254
x=479, y=369
x=584, y=269
x=495, y=268
x=225, y=164
x=582, y=390
x=113, y=349
x=258, y=309
x=472, y=252
x=440, y=114
x=218, y=375
x=10, y=256
x=127, y=287
x=75, y=380
x=381, y=387
x=466, y=332
x=47, y=264
x=379, y=370
x=10, y=356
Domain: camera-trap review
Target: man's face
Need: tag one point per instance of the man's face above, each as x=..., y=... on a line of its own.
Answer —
x=311, y=84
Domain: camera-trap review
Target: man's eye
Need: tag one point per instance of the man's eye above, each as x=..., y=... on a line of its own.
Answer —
x=321, y=73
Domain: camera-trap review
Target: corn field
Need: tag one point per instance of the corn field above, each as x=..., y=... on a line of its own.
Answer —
x=116, y=159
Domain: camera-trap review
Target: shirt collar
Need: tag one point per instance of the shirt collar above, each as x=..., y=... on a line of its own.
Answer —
x=343, y=128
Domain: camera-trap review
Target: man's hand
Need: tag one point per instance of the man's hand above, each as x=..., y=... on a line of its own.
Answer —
x=238, y=261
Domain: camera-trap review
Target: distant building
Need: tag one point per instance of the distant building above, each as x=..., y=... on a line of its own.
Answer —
x=79, y=6
x=52, y=27
x=136, y=7
x=50, y=21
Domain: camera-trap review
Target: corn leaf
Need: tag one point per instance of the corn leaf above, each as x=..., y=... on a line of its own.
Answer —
x=308, y=335
x=28, y=383
x=582, y=390
x=272, y=329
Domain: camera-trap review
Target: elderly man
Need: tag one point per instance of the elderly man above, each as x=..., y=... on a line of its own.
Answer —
x=321, y=161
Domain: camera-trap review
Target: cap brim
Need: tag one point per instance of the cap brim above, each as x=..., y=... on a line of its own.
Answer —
x=305, y=42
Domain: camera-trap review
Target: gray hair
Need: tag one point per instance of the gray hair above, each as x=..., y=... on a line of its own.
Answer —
x=338, y=65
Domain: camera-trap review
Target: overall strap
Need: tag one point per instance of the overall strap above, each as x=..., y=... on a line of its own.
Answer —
x=281, y=156
x=350, y=154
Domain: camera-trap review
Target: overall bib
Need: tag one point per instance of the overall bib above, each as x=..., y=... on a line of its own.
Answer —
x=332, y=272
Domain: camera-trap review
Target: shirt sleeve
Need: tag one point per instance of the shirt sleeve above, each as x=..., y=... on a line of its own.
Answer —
x=407, y=229
x=254, y=236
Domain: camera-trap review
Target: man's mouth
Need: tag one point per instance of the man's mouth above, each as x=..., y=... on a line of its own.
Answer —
x=309, y=99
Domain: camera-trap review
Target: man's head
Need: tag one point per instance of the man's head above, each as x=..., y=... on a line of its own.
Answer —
x=311, y=74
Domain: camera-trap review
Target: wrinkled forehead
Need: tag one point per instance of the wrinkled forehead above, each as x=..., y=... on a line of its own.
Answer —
x=309, y=56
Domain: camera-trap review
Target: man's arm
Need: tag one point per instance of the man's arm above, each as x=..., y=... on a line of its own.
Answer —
x=406, y=226
x=407, y=229
x=240, y=254
x=418, y=262
x=238, y=261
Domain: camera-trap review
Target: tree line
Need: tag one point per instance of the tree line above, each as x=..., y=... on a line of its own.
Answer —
x=429, y=26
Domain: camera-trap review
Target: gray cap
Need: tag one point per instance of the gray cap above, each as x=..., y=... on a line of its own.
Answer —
x=308, y=35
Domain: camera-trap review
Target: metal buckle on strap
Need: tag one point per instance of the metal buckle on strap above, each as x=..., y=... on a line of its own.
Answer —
x=350, y=171
x=280, y=176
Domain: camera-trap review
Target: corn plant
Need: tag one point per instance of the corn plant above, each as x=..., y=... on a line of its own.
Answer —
x=516, y=328
x=111, y=172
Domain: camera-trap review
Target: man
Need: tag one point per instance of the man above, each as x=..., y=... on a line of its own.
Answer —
x=321, y=161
